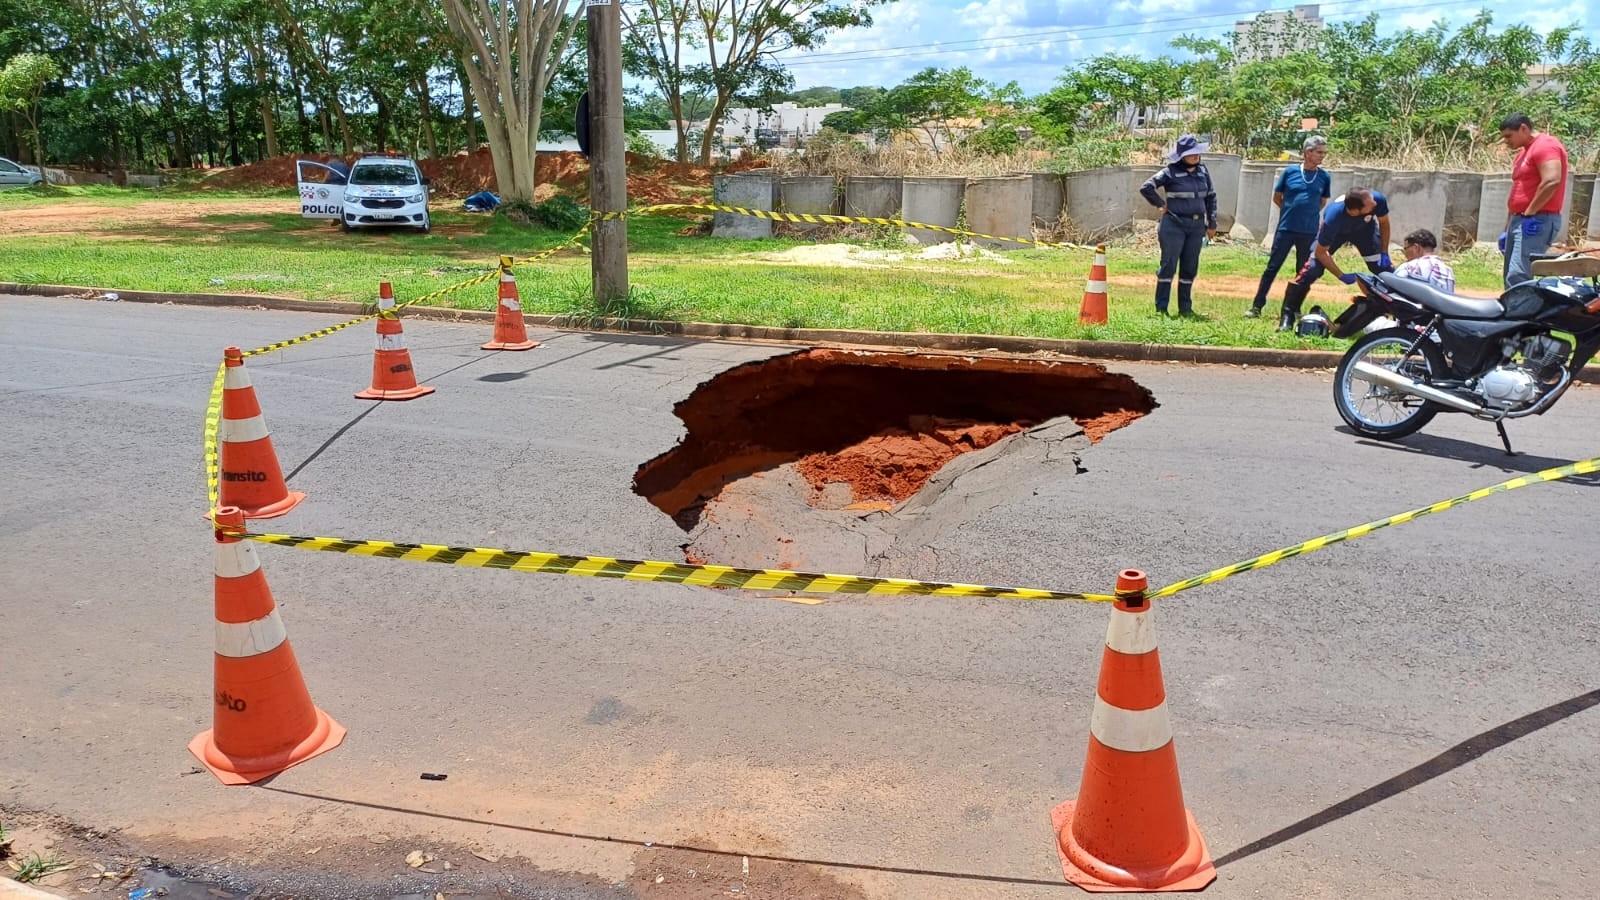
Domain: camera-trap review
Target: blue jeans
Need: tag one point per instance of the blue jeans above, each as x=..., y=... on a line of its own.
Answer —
x=1520, y=247
x=1282, y=243
x=1181, y=239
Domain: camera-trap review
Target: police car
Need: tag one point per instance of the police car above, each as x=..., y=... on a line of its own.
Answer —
x=376, y=191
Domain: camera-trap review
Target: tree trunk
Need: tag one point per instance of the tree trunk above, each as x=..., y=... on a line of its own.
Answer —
x=346, y=138
x=300, y=105
x=269, y=125
x=679, y=125
x=383, y=120
x=707, y=139
x=38, y=144
x=233, y=132
x=469, y=115
x=425, y=101
x=200, y=65
x=326, y=121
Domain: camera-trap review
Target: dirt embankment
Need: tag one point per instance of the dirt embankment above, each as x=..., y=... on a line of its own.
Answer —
x=565, y=172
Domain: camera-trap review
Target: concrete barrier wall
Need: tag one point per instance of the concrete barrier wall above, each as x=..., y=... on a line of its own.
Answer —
x=1000, y=206
x=1492, y=208
x=1593, y=231
x=814, y=194
x=936, y=201
x=1566, y=207
x=1579, y=201
x=1254, y=207
x=873, y=196
x=755, y=189
x=1416, y=200
x=1463, y=193
x=1048, y=198
x=1098, y=203
x=1137, y=176
x=1226, y=170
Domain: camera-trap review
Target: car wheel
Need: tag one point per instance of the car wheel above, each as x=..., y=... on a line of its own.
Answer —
x=344, y=226
x=427, y=224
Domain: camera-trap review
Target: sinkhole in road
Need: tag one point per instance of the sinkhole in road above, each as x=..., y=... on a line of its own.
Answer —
x=880, y=423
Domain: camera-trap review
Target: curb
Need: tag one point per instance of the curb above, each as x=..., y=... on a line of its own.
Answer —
x=965, y=343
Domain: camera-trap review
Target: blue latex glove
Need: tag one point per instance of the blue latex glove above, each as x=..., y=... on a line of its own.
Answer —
x=1348, y=278
x=1384, y=261
x=1530, y=226
x=1502, y=242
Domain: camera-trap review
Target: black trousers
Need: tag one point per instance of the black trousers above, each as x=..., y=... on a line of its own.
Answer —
x=1365, y=241
x=1181, y=239
x=1282, y=242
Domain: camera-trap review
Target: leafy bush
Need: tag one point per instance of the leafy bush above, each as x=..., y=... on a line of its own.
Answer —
x=641, y=146
x=557, y=214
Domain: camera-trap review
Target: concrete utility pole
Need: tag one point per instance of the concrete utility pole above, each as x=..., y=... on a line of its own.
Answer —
x=608, y=163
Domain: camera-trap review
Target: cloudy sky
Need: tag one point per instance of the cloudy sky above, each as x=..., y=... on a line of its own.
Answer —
x=1031, y=41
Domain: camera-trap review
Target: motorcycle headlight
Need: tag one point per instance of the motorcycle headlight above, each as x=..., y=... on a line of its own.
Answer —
x=417, y=198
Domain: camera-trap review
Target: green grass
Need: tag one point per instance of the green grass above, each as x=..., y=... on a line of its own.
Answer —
x=34, y=867
x=1030, y=293
x=111, y=195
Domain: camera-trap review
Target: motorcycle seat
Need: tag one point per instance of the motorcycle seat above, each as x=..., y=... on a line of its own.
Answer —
x=1453, y=305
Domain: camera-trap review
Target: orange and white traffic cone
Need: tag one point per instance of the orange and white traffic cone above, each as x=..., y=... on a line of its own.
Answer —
x=263, y=718
x=392, y=375
x=510, y=331
x=1127, y=830
x=250, y=477
x=1093, y=311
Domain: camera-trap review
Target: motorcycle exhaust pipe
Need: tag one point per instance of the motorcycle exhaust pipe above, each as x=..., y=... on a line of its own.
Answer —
x=1378, y=375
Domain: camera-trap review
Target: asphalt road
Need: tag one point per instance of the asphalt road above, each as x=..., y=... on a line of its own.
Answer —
x=1407, y=715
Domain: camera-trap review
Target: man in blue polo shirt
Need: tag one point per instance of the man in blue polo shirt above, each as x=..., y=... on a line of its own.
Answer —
x=1300, y=194
x=1360, y=218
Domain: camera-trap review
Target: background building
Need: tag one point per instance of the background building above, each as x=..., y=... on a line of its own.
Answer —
x=1277, y=33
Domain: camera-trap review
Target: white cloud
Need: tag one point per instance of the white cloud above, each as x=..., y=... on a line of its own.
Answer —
x=1031, y=41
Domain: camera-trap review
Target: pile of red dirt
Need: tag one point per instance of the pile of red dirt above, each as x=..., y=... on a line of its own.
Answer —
x=277, y=172
x=563, y=171
x=896, y=463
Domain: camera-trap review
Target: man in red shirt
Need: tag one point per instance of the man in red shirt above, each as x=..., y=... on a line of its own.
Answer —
x=1538, y=187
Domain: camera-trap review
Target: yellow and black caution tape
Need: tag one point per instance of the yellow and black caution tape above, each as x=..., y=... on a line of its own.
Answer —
x=1556, y=473
x=213, y=422
x=653, y=570
x=214, y=404
x=818, y=219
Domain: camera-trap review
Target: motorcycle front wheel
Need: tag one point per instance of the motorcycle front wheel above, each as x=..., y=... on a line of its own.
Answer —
x=1382, y=412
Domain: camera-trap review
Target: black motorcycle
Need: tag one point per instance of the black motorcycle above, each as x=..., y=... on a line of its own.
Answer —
x=1492, y=359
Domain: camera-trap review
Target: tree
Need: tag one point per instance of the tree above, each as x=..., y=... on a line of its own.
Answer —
x=725, y=48
x=928, y=101
x=1119, y=87
x=814, y=96
x=22, y=81
x=511, y=51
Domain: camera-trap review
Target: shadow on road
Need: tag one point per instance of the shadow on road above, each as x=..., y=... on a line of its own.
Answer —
x=364, y=413
x=1451, y=759
x=1481, y=456
x=658, y=845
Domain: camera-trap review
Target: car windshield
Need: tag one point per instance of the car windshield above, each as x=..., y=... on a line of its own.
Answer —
x=388, y=174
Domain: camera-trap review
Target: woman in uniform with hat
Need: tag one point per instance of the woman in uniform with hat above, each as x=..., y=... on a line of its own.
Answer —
x=1188, y=212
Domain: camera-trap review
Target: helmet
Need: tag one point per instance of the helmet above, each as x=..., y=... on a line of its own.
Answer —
x=1312, y=324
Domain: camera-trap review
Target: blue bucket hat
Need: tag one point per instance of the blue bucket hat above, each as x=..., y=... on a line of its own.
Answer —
x=1188, y=145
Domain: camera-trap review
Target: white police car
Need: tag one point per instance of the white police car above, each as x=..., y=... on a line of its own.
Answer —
x=376, y=191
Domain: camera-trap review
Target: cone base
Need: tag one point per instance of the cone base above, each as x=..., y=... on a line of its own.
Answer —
x=272, y=510
x=502, y=345
x=230, y=770
x=421, y=390
x=1093, y=313
x=1192, y=870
